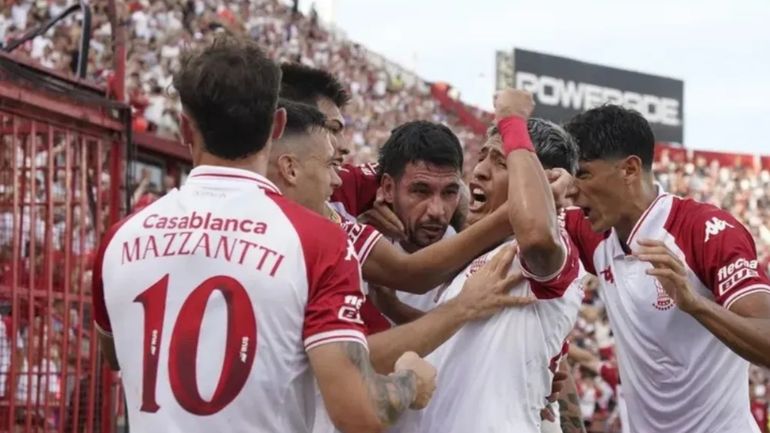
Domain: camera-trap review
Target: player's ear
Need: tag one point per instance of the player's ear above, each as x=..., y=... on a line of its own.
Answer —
x=631, y=168
x=187, y=131
x=287, y=168
x=279, y=123
x=388, y=188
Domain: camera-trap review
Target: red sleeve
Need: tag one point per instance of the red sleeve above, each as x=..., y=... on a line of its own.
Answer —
x=359, y=188
x=363, y=237
x=554, y=285
x=374, y=320
x=720, y=251
x=583, y=237
x=333, y=311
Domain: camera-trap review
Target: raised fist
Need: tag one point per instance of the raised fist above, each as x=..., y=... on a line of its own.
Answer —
x=513, y=102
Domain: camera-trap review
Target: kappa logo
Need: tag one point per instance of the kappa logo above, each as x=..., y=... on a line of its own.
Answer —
x=715, y=226
x=351, y=254
x=607, y=274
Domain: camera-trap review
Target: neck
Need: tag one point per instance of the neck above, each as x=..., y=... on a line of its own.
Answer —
x=640, y=201
x=256, y=163
x=409, y=247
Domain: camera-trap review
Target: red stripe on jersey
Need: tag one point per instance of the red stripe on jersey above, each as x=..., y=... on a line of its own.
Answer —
x=330, y=337
x=363, y=237
x=643, y=217
x=555, y=285
x=740, y=294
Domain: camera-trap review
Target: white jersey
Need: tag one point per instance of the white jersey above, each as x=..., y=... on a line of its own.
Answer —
x=494, y=375
x=426, y=301
x=676, y=375
x=214, y=294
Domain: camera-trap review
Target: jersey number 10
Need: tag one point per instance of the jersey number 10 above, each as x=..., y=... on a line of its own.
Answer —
x=240, y=347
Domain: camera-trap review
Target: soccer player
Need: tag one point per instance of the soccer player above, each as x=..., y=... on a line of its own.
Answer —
x=302, y=166
x=322, y=90
x=495, y=374
x=224, y=299
x=384, y=265
x=687, y=302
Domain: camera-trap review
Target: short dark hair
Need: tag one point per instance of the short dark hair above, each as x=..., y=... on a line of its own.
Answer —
x=611, y=131
x=305, y=84
x=230, y=89
x=555, y=148
x=301, y=118
x=420, y=140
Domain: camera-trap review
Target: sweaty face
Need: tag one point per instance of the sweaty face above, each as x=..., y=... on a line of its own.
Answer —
x=489, y=182
x=316, y=173
x=424, y=198
x=600, y=191
x=335, y=123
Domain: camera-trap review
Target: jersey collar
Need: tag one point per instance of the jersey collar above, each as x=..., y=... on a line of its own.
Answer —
x=652, y=219
x=228, y=174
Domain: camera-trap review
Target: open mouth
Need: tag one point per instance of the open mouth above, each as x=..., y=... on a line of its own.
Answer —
x=586, y=212
x=478, y=198
x=433, y=230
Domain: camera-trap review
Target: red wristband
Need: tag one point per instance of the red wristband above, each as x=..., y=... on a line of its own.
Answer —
x=513, y=130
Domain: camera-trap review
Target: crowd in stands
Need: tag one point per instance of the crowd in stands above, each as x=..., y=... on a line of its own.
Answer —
x=383, y=96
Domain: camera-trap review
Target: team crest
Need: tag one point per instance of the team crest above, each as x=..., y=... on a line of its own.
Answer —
x=664, y=302
x=476, y=265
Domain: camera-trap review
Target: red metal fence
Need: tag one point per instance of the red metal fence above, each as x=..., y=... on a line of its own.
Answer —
x=62, y=155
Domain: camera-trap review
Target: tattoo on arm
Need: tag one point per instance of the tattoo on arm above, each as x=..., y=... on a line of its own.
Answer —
x=569, y=412
x=391, y=394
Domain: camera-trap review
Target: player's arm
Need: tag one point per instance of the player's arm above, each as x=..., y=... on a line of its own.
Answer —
x=108, y=351
x=425, y=269
x=483, y=294
x=744, y=328
x=569, y=403
x=101, y=317
x=584, y=358
x=356, y=397
x=532, y=212
x=387, y=303
x=723, y=255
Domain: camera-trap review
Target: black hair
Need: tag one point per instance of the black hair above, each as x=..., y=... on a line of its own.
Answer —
x=301, y=118
x=305, y=84
x=555, y=147
x=230, y=89
x=610, y=132
x=420, y=140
